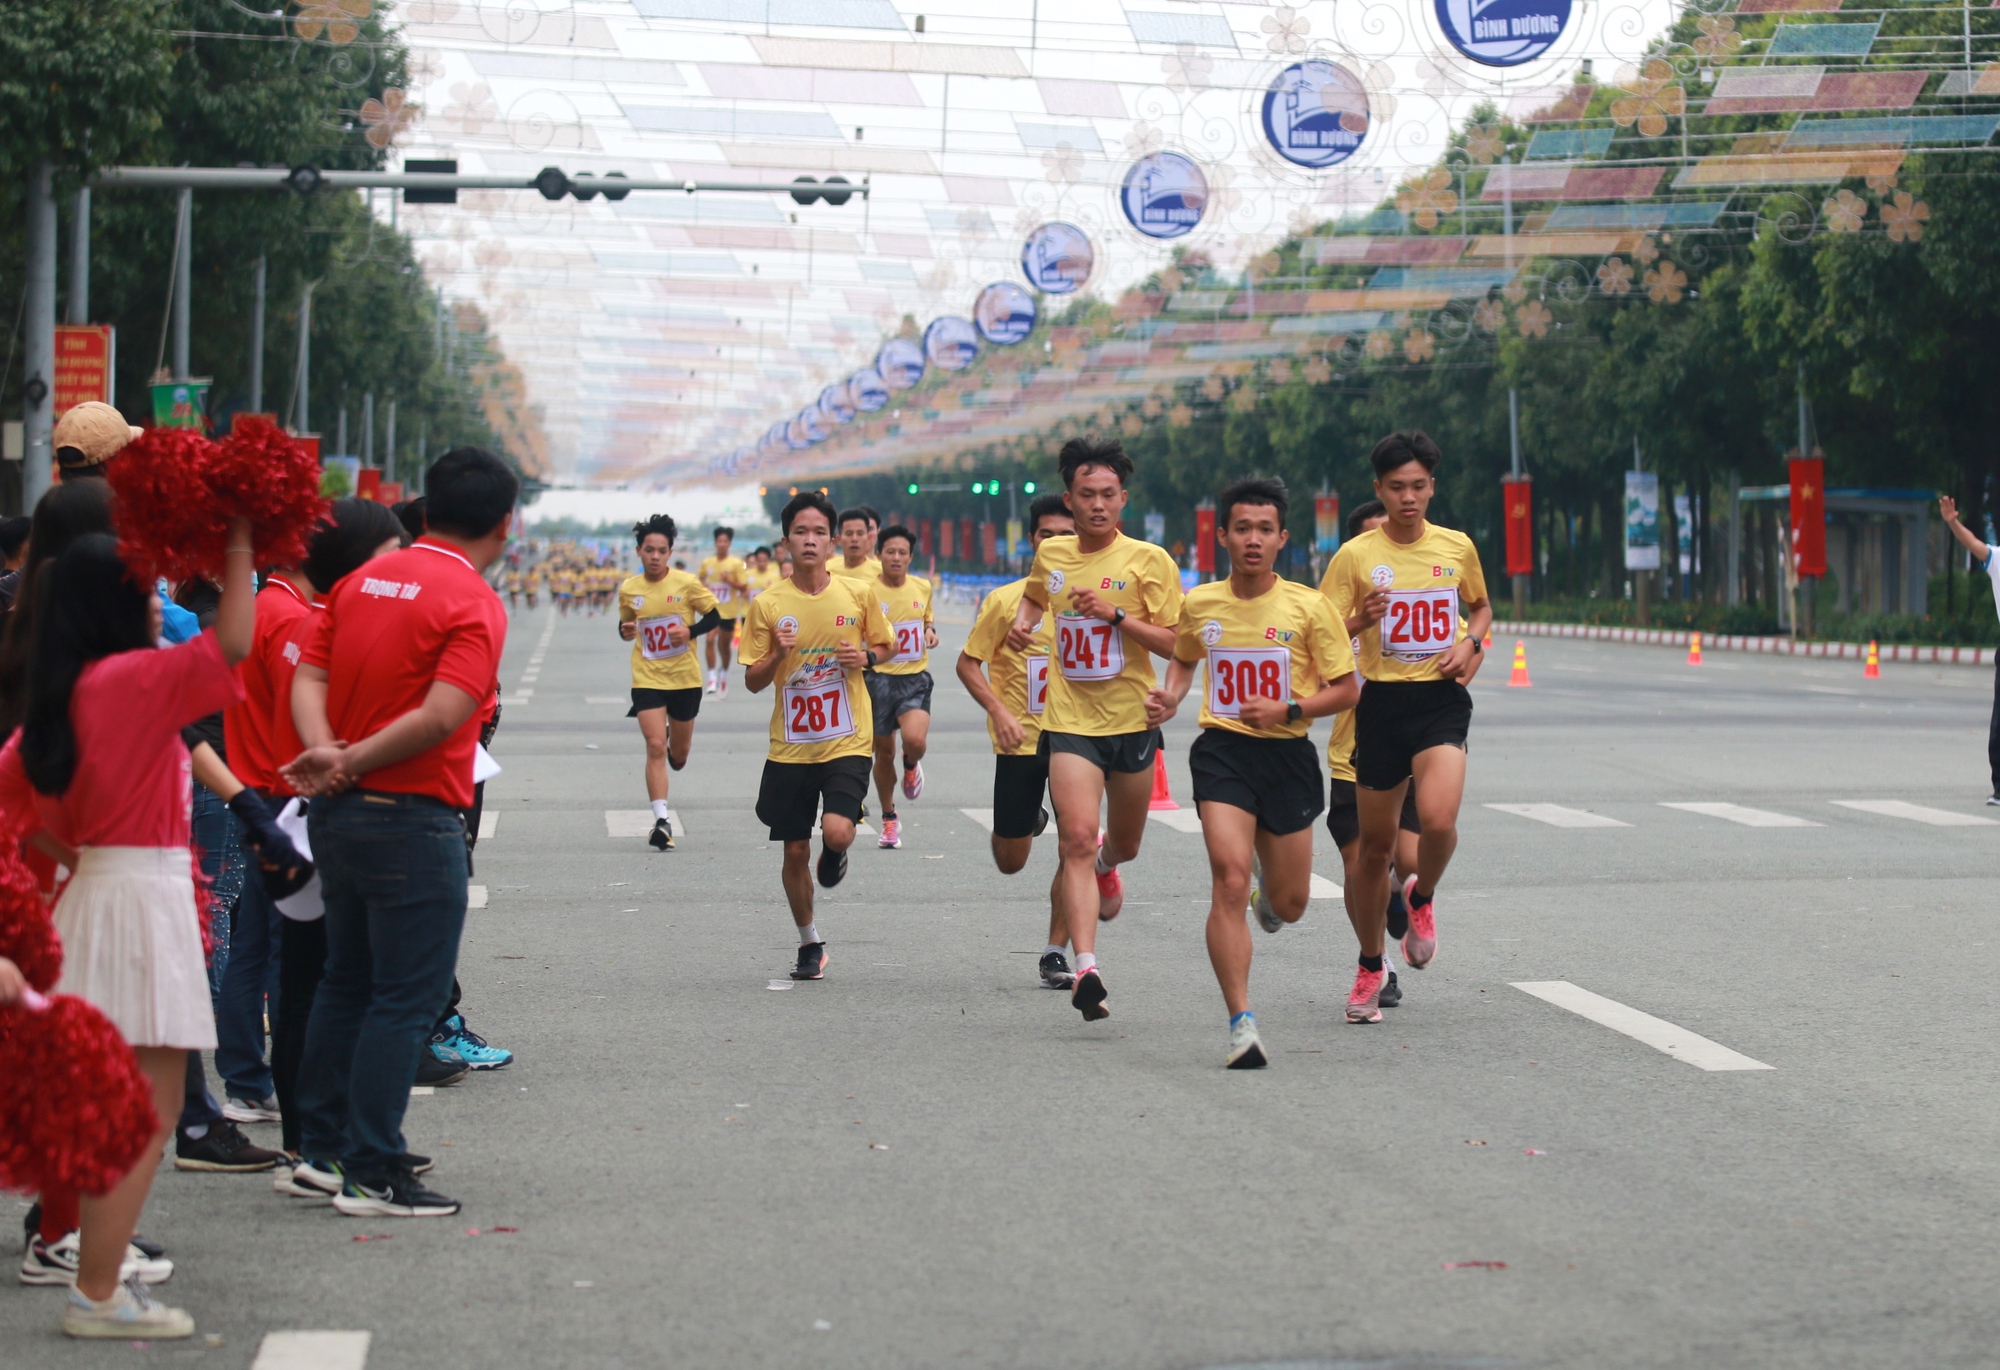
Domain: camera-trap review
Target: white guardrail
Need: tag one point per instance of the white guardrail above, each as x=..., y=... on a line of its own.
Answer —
x=1779, y=646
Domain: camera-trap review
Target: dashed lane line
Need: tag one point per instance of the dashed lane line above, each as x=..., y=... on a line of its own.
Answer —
x=489, y=823
x=1556, y=816
x=638, y=822
x=1916, y=813
x=1658, y=1033
x=1749, y=818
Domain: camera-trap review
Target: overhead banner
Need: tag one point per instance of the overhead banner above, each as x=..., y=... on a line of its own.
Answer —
x=86, y=357
x=866, y=389
x=1004, y=313
x=1808, y=516
x=1503, y=33
x=1204, y=538
x=1057, y=259
x=1315, y=114
x=1164, y=195
x=1326, y=524
x=1642, y=521
x=900, y=363
x=1517, y=493
x=950, y=344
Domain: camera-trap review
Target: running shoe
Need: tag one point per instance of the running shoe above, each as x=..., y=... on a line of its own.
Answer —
x=440, y=1065
x=1056, y=973
x=222, y=1148
x=1392, y=993
x=1110, y=890
x=1267, y=917
x=710, y=689
x=128, y=1315
x=55, y=1262
x=392, y=1196
x=812, y=962
x=314, y=1179
x=263, y=1110
x=832, y=868
x=1399, y=915
x=1246, y=1049
x=1042, y=821
x=662, y=836
x=722, y=686
x=913, y=782
x=1364, y=1001
x=473, y=1049
x=892, y=833
x=1420, y=943
x=1993, y=800
x=1088, y=996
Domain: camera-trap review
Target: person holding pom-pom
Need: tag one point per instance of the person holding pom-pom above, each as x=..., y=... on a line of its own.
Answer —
x=99, y=763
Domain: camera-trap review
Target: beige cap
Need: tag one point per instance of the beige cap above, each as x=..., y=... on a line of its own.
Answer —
x=96, y=430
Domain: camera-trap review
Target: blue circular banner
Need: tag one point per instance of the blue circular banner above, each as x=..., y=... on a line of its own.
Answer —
x=866, y=389
x=901, y=363
x=950, y=343
x=813, y=424
x=1164, y=195
x=1057, y=258
x=1502, y=33
x=835, y=404
x=1004, y=314
x=795, y=435
x=1316, y=114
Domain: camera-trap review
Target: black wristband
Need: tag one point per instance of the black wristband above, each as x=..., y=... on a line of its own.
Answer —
x=1117, y=617
x=1475, y=645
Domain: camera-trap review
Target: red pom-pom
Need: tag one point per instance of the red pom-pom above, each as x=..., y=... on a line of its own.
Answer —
x=27, y=934
x=166, y=523
x=75, y=1109
x=260, y=473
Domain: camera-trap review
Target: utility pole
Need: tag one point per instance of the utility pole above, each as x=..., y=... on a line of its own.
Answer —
x=38, y=391
x=389, y=445
x=257, y=337
x=1641, y=583
x=1808, y=585
x=368, y=428
x=79, y=258
x=302, y=379
x=1514, y=445
x=183, y=288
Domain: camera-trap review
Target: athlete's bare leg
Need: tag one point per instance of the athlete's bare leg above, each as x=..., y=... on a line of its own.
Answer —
x=1231, y=835
x=885, y=771
x=653, y=727
x=1076, y=788
x=837, y=833
x=1440, y=780
x=1367, y=892
x=680, y=738
x=915, y=726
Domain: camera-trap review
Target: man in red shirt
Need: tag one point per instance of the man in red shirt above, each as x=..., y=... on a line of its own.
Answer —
x=387, y=700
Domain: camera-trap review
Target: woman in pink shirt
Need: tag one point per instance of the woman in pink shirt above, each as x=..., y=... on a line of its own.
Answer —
x=99, y=766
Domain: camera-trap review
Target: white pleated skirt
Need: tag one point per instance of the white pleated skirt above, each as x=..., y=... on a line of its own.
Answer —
x=132, y=944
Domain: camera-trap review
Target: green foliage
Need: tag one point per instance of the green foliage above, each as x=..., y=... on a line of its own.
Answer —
x=82, y=82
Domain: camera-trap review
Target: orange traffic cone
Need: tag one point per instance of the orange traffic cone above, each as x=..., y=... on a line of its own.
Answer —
x=1694, y=649
x=1873, y=670
x=1163, y=798
x=1486, y=644
x=1520, y=676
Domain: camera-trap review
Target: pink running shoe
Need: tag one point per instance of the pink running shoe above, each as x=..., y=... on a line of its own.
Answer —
x=1420, y=943
x=1364, y=1001
x=913, y=782
x=1110, y=891
x=892, y=833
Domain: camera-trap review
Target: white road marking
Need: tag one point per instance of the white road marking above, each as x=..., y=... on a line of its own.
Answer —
x=475, y=896
x=983, y=817
x=1749, y=818
x=1831, y=690
x=1180, y=820
x=489, y=823
x=422, y=1091
x=1916, y=813
x=1657, y=1033
x=626, y=700
x=312, y=1351
x=638, y=822
x=1556, y=816
x=1323, y=888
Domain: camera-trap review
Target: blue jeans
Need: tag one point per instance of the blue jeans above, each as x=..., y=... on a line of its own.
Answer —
x=250, y=977
x=218, y=838
x=393, y=871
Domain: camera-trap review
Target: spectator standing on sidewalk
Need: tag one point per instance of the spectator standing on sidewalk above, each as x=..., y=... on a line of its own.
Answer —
x=1983, y=558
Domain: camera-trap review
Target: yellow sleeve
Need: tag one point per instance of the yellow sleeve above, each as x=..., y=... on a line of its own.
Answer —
x=758, y=639
x=1187, y=638
x=1164, y=598
x=1327, y=640
x=626, y=613
x=701, y=599
x=1474, y=577
x=875, y=626
x=930, y=604
x=1338, y=584
x=1036, y=592
x=988, y=629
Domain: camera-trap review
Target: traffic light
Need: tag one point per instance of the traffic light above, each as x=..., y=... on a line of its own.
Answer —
x=1027, y=487
x=977, y=488
x=910, y=489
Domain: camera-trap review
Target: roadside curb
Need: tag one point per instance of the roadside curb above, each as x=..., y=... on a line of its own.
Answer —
x=1777, y=646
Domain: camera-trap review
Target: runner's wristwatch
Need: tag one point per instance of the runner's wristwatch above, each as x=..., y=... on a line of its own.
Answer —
x=1117, y=617
x=1293, y=713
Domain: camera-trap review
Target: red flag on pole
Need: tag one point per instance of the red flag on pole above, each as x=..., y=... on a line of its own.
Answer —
x=1809, y=515
x=1204, y=538
x=1518, y=494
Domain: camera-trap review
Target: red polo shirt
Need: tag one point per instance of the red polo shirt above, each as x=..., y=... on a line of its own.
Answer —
x=246, y=727
x=388, y=631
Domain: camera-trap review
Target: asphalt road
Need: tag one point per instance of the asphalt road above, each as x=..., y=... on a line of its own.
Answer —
x=927, y=1160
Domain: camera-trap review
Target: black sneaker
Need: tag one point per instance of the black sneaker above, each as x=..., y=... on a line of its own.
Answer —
x=663, y=835
x=832, y=868
x=440, y=1066
x=1399, y=916
x=1391, y=993
x=1042, y=821
x=222, y=1148
x=812, y=962
x=1056, y=973
x=1089, y=995
x=418, y=1165
x=393, y=1196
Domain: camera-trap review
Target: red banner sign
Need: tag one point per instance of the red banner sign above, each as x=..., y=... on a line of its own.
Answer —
x=1808, y=515
x=85, y=354
x=968, y=542
x=924, y=537
x=1204, y=538
x=1518, y=495
x=945, y=538
x=1326, y=523
x=988, y=544
x=368, y=484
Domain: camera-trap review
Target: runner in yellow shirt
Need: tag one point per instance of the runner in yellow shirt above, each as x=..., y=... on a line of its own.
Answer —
x=660, y=612
x=514, y=589
x=727, y=578
x=1276, y=659
x=1403, y=588
x=901, y=686
x=857, y=544
x=814, y=635
x=1013, y=690
x=763, y=575
x=1117, y=603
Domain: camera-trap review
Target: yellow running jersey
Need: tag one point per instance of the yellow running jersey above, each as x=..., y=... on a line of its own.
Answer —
x=1021, y=679
x=908, y=609
x=760, y=581
x=1429, y=582
x=654, y=604
x=725, y=577
x=1100, y=678
x=821, y=711
x=866, y=571
x=1284, y=644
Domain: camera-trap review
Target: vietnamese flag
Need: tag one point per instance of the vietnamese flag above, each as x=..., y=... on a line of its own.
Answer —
x=1517, y=492
x=1809, y=515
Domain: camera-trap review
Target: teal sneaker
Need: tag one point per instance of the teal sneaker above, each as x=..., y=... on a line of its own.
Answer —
x=473, y=1049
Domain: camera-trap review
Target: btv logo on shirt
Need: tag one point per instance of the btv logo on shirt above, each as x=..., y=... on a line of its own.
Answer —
x=1110, y=584
x=844, y=620
x=390, y=589
x=1444, y=570
x=1278, y=635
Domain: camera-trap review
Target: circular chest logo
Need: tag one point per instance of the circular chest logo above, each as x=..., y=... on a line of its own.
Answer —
x=1211, y=632
x=1004, y=314
x=1164, y=195
x=1055, y=582
x=1057, y=258
x=638, y=601
x=788, y=624
x=1383, y=577
x=1502, y=33
x=1316, y=114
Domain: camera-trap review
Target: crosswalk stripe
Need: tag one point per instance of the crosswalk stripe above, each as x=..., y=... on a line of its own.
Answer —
x=983, y=817
x=1556, y=816
x=1916, y=813
x=489, y=823
x=638, y=822
x=1180, y=820
x=312, y=1351
x=475, y=896
x=1657, y=1033
x=1323, y=888
x=1749, y=818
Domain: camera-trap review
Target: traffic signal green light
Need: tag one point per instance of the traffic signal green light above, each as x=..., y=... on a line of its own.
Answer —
x=910, y=489
x=978, y=488
x=1027, y=487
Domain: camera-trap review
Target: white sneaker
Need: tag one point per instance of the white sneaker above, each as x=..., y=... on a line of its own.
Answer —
x=722, y=686
x=1246, y=1048
x=251, y=1110
x=129, y=1314
x=55, y=1263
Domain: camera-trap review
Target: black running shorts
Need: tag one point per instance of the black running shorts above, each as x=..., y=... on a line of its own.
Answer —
x=1396, y=719
x=1125, y=753
x=1276, y=778
x=793, y=794
x=895, y=695
x=681, y=705
x=1343, y=818
x=1019, y=782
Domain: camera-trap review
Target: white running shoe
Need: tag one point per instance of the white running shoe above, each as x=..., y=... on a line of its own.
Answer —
x=722, y=686
x=1246, y=1049
x=128, y=1315
x=252, y=1110
x=56, y=1262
